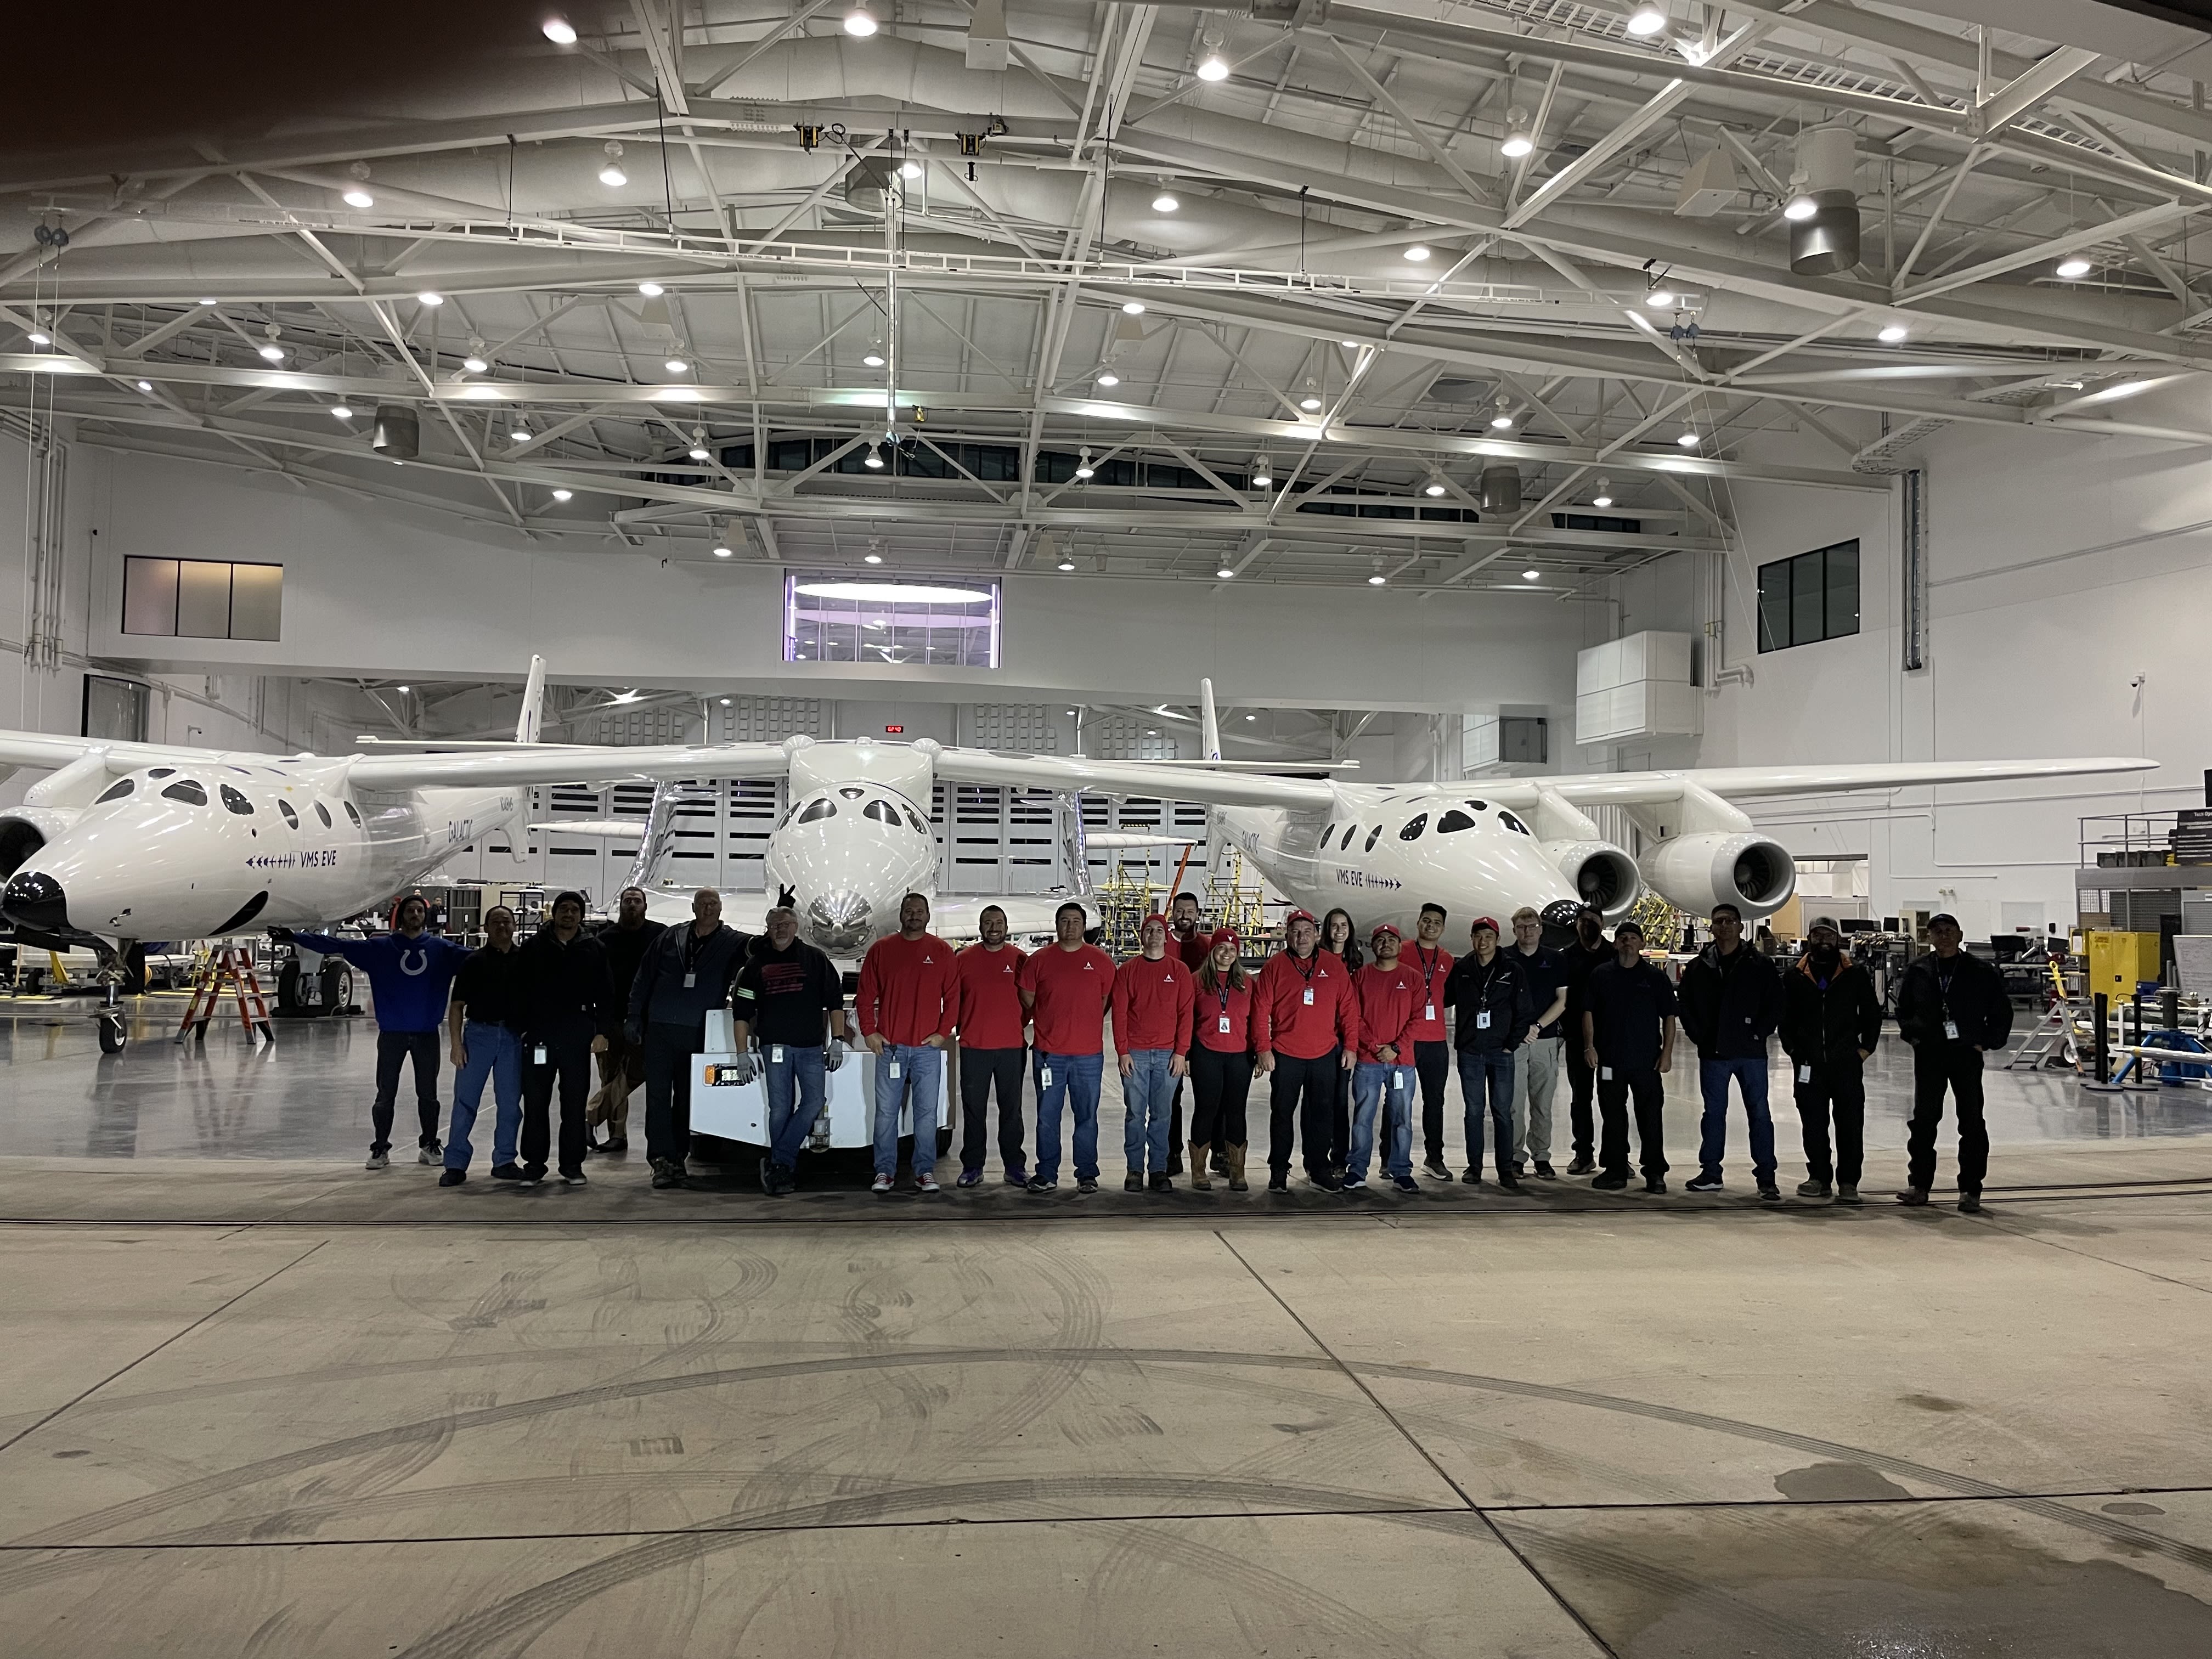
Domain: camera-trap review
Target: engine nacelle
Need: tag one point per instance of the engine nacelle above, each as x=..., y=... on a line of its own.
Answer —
x=24, y=829
x=1601, y=873
x=1696, y=873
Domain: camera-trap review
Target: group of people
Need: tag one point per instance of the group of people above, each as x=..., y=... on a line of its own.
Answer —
x=1345, y=1037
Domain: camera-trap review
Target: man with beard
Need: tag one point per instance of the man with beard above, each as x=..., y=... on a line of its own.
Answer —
x=1305, y=1014
x=1432, y=1050
x=1731, y=998
x=1628, y=1040
x=1952, y=1009
x=988, y=1017
x=1588, y=950
x=622, y=1068
x=1831, y=1021
x=792, y=998
x=906, y=1002
x=1190, y=944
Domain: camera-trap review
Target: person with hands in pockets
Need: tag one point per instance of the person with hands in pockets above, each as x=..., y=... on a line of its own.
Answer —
x=906, y=1002
x=1952, y=1007
x=1831, y=1021
x=1152, y=1000
x=1495, y=1016
x=1390, y=994
x=792, y=998
x=1628, y=1041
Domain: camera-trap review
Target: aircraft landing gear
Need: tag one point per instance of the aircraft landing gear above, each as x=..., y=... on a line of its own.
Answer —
x=116, y=970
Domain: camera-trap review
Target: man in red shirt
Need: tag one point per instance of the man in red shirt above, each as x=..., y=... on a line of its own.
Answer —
x=906, y=1005
x=1065, y=987
x=1151, y=1030
x=1305, y=1017
x=1432, y=1051
x=1381, y=1086
x=989, y=1016
x=1190, y=943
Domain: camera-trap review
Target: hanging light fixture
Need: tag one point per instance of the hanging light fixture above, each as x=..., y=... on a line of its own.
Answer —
x=1212, y=65
x=651, y=290
x=722, y=553
x=1263, y=472
x=872, y=458
x=475, y=363
x=1083, y=467
x=1226, y=573
x=1647, y=19
x=2073, y=267
x=1604, y=496
x=860, y=22
x=1501, y=419
x=339, y=411
x=559, y=30
x=611, y=171
x=1418, y=252
x=563, y=494
x=1688, y=439
x=1519, y=140
x=1530, y=575
x=1311, y=400
x=1165, y=203
x=1107, y=377
x=873, y=356
x=1892, y=333
x=1434, y=488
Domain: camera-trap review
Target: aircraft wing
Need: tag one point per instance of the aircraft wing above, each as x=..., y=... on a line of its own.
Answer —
x=1028, y=916
x=1138, y=779
x=1732, y=782
x=42, y=749
x=475, y=769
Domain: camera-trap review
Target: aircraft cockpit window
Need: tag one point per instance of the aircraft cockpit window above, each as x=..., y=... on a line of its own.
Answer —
x=881, y=811
x=323, y=813
x=236, y=802
x=185, y=790
x=1413, y=832
x=1373, y=836
x=161, y=772
x=1514, y=824
x=850, y=793
x=816, y=811
x=1452, y=822
x=116, y=791
x=920, y=828
x=350, y=813
x=1480, y=805
x=291, y=818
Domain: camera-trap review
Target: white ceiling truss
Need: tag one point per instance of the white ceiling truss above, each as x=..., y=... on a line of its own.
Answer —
x=1275, y=314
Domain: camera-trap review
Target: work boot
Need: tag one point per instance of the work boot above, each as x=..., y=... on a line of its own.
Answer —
x=1162, y=1182
x=1847, y=1194
x=1582, y=1165
x=1811, y=1188
x=1199, y=1181
x=1914, y=1197
x=1133, y=1181
x=1234, y=1157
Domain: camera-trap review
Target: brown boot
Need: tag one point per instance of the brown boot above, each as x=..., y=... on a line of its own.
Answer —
x=1237, y=1184
x=1199, y=1182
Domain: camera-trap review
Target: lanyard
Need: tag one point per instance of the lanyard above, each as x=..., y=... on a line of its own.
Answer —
x=1224, y=998
x=1428, y=961
x=1307, y=973
x=694, y=945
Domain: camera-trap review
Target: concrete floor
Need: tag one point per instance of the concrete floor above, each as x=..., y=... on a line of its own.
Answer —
x=254, y=1401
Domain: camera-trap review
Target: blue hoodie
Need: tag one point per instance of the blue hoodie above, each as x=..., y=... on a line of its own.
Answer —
x=410, y=978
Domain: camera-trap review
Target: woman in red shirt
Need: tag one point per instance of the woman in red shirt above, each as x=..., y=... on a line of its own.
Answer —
x=1339, y=939
x=1220, y=1060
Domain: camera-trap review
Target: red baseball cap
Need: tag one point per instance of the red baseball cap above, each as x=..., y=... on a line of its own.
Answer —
x=1150, y=920
x=1300, y=915
x=1481, y=922
x=1387, y=927
x=1226, y=936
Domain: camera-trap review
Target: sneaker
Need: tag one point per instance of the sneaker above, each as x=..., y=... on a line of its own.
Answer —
x=1437, y=1168
x=1520, y=1169
x=1279, y=1180
x=511, y=1171
x=1914, y=1197
x=779, y=1180
x=1546, y=1172
x=1087, y=1184
x=1328, y=1179
x=1018, y=1176
x=1352, y=1183
x=533, y=1174
x=1041, y=1184
x=430, y=1152
x=452, y=1177
x=1581, y=1166
x=571, y=1178
x=1770, y=1195
x=378, y=1161
x=1704, y=1183
x=969, y=1178
x=1610, y=1183
x=1848, y=1195
x=1509, y=1183
x=1163, y=1181
x=1406, y=1183
x=1133, y=1181
x=1970, y=1203
x=664, y=1174
x=1473, y=1177
x=926, y=1182
x=1654, y=1184
x=881, y=1184
x=1812, y=1190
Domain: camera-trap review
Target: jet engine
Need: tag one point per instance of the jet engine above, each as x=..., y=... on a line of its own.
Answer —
x=1696, y=873
x=1602, y=874
x=26, y=830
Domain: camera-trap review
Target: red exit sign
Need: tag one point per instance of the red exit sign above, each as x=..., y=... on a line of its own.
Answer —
x=894, y=730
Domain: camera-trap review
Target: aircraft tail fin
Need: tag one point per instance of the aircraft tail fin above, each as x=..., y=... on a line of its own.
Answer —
x=1074, y=852
x=1211, y=730
x=531, y=721
x=659, y=835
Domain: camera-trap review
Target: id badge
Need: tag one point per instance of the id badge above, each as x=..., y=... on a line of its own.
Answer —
x=1309, y=996
x=1397, y=1079
x=1222, y=1024
x=894, y=1071
x=1482, y=1020
x=690, y=981
x=1044, y=1077
x=775, y=1055
x=538, y=1055
x=1605, y=1073
x=1804, y=1074
x=1951, y=1029
x=1428, y=1010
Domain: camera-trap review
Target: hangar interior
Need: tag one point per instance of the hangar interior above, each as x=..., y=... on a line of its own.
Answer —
x=1544, y=404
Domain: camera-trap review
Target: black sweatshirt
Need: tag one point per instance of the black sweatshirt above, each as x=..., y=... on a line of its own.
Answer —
x=1964, y=989
x=1828, y=1025
x=1730, y=1003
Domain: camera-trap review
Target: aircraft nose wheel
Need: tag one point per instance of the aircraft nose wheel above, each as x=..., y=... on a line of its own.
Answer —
x=114, y=1034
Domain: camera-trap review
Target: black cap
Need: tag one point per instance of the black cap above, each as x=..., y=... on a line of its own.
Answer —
x=1940, y=917
x=1632, y=926
x=560, y=899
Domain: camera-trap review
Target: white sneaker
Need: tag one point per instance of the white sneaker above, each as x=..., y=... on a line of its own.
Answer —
x=432, y=1153
x=926, y=1183
x=1353, y=1183
x=378, y=1161
x=882, y=1184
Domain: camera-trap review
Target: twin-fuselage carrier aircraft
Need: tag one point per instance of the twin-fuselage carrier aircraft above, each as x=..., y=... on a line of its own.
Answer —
x=130, y=842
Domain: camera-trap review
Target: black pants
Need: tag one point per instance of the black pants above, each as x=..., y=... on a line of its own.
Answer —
x=979, y=1068
x=1959, y=1066
x=1613, y=1094
x=568, y=1063
x=1837, y=1092
x=1306, y=1088
x=1339, y=1122
x=391, y=1048
x=1220, y=1084
x=668, y=1051
x=1582, y=1083
x=1432, y=1064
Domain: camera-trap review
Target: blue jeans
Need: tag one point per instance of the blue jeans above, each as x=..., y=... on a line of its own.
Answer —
x=495, y=1053
x=1074, y=1078
x=1488, y=1072
x=1147, y=1095
x=788, y=1129
x=1381, y=1097
x=1750, y=1074
x=920, y=1068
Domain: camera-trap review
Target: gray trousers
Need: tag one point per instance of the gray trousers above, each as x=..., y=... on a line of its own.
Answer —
x=1534, y=1080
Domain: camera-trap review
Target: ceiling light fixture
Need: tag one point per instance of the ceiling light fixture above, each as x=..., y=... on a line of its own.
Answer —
x=1800, y=208
x=519, y=435
x=1212, y=65
x=1530, y=575
x=429, y=296
x=2072, y=266
x=1066, y=563
x=1226, y=573
x=357, y=196
x=1688, y=439
x=40, y=337
x=909, y=169
x=563, y=494
x=872, y=558
x=403, y=689
x=208, y=302
x=147, y=385
x=1435, y=487
x=651, y=290
x=1647, y=19
x=1132, y=307
x=1892, y=333
x=1418, y=252
x=873, y=356
x=1083, y=467
x=1659, y=299
x=268, y=349
x=1263, y=472
x=475, y=363
x=1519, y=142
x=1107, y=377
x=1502, y=421
x=860, y=22
x=677, y=366
x=893, y=593
x=873, y=459
x=611, y=171
x=1377, y=579
x=698, y=452
x=1312, y=399
x=1165, y=203
x=559, y=30
x=1604, y=496
x=722, y=553
x=724, y=701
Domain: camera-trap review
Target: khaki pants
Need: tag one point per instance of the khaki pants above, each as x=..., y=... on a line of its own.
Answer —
x=1534, y=1081
x=622, y=1068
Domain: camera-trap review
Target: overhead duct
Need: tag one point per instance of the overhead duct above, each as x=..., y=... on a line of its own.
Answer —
x=398, y=433
x=1824, y=214
x=1501, y=489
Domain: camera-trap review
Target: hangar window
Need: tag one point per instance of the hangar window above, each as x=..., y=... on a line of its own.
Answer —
x=350, y=813
x=185, y=790
x=816, y=811
x=1811, y=597
x=1452, y=822
x=1413, y=832
x=881, y=811
x=291, y=817
x=950, y=622
x=115, y=791
x=236, y=802
x=203, y=599
x=1373, y=836
x=1515, y=825
x=323, y=813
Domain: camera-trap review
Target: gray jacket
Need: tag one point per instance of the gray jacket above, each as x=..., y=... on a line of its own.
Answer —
x=659, y=996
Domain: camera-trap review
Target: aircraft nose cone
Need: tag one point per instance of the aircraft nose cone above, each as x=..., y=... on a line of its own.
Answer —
x=35, y=901
x=840, y=920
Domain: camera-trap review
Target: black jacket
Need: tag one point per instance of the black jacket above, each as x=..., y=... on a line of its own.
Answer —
x=658, y=996
x=1976, y=999
x=626, y=948
x=1500, y=990
x=566, y=993
x=1731, y=1003
x=1828, y=1026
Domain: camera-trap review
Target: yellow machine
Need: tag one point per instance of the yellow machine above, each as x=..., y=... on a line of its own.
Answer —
x=2118, y=961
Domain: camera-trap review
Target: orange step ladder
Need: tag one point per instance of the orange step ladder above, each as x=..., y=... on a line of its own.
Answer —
x=229, y=968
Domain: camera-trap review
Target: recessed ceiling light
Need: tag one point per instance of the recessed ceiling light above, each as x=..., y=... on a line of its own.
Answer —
x=338, y=411
x=1530, y=575
x=651, y=290
x=358, y=197
x=430, y=296
x=1132, y=307
x=1377, y=579
x=2073, y=265
x=1418, y=252
x=677, y=366
x=559, y=30
x=722, y=553
x=1688, y=440
x=1433, y=489
x=1892, y=333
x=563, y=494
x=474, y=364
x=861, y=21
x=1165, y=203
x=1226, y=573
x=1659, y=299
x=1800, y=208
x=1647, y=19
x=1109, y=378
x=270, y=348
x=145, y=386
